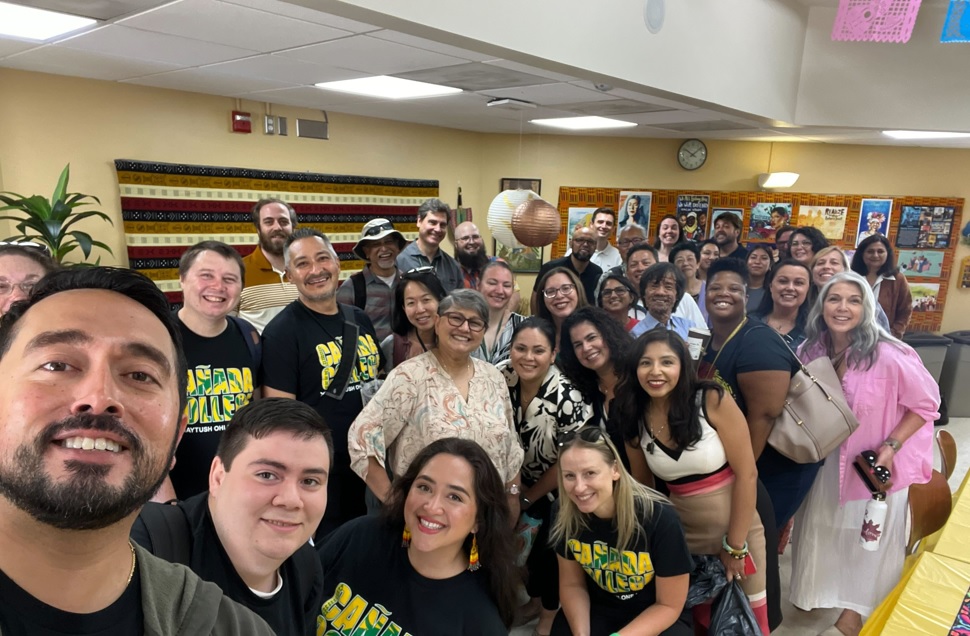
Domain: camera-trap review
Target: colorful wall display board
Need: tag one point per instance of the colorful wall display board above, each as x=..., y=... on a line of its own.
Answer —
x=665, y=202
x=167, y=208
x=765, y=220
x=715, y=214
x=692, y=212
x=634, y=207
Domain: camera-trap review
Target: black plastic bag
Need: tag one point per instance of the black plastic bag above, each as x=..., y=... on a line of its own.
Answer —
x=707, y=580
x=732, y=615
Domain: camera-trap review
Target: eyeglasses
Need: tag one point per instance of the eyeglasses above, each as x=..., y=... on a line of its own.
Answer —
x=7, y=288
x=377, y=229
x=615, y=291
x=797, y=243
x=565, y=290
x=470, y=237
x=630, y=242
x=456, y=320
x=584, y=241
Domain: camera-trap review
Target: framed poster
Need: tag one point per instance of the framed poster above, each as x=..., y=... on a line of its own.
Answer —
x=874, y=218
x=692, y=210
x=924, y=296
x=716, y=212
x=925, y=226
x=766, y=219
x=830, y=221
x=921, y=263
x=522, y=260
x=633, y=207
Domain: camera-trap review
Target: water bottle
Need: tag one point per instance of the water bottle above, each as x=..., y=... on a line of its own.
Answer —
x=873, y=522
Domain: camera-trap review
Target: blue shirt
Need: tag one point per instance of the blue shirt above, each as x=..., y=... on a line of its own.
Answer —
x=677, y=324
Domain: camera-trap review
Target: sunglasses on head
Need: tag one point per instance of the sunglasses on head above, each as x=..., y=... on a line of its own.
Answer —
x=590, y=434
x=424, y=269
x=30, y=245
x=377, y=229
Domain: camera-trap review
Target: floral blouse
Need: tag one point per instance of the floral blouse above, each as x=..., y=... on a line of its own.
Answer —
x=419, y=403
x=557, y=409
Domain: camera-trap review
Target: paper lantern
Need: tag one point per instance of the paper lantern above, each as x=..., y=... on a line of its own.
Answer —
x=500, y=214
x=535, y=223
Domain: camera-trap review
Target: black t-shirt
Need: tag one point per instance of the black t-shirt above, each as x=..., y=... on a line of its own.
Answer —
x=590, y=277
x=370, y=581
x=291, y=612
x=222, y=377
x=740, y=253
x=23, y=615
x=623, y=585
x=755, y=347
x=301, y=355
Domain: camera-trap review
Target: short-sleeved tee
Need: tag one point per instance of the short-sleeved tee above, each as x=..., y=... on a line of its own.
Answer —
x=23, y=615
x=222, y=378
x=755, y=347
x=589, y=277
x=290, y=612
x=370, y=582
x=301, y=354
x=624, y=584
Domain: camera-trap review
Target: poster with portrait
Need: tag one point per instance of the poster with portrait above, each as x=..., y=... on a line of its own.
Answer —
x=921, y=263
x=765, y=220
x=873, y=218
x=718, y=212
x=634, y=207
x=692, y=210
x=579, y=216
x=924, y=296
x=830, y=221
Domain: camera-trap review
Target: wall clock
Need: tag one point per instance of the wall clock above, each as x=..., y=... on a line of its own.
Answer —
x=692, y=154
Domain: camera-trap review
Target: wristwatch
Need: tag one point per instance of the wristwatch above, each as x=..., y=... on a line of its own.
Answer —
x=893, y=443
x=514, y=489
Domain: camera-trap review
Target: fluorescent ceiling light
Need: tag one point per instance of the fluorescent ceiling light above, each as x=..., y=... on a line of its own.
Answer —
x=388, y=87
x=37, y=24
x=923, y=134
x=583, y=123
x=771, y=180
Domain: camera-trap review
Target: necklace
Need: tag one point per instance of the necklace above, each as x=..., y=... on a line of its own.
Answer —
x=653, y=438
x=131, y=572
x=420, y=341
x=468, y=366
x=780, y=325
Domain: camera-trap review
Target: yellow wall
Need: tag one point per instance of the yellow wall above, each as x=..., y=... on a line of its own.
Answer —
x=47, y=121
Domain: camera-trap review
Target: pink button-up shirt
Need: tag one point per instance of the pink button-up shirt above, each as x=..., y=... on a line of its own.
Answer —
x=880, y=396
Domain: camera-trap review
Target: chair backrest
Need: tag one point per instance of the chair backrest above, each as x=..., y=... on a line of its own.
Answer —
x=929, y=506
x=948, y=452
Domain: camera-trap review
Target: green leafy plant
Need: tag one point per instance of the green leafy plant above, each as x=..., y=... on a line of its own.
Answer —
x=51, y=222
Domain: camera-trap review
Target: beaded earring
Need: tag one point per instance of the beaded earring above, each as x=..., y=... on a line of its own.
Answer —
x=473, y=562
x=406, y=538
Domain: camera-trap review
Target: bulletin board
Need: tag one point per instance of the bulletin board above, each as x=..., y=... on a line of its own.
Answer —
x=665, y=202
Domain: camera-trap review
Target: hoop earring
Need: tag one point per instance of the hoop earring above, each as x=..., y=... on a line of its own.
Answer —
x=406, y=538
x=473, y=562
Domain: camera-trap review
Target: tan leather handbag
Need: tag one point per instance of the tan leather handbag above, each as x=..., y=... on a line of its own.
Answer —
x=816, y=418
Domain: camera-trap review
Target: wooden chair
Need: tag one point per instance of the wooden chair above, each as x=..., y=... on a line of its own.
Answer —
x=930, y=505
x=948, y=452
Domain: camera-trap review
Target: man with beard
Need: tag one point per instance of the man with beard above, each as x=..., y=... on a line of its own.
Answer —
x=320, y=352
x=582, y=246
x=727, y=229
x=266, y=290
x=92, y=391
x=372, y=288
x=434, y=215
x=471, y=255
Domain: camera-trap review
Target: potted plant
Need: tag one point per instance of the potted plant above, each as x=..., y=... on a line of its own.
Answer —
x=50, y=222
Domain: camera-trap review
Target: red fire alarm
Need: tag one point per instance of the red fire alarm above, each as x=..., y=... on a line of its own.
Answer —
x=242, y=122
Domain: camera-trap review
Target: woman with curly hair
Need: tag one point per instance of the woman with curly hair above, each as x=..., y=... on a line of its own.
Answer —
x=805, y=242
x=590, y=347
x=560, y=294
x=617, y=296
x=443, y=535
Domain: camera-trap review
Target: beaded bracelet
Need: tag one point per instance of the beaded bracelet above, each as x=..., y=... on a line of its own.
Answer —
x=737, y=554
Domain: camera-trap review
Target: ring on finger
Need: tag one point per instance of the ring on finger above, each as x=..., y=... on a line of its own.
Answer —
x=737, y=577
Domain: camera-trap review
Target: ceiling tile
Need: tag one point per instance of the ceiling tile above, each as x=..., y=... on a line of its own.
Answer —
x=371, y=55
x=303, y=13
x=307, y=96
x=232, y=25
x=666, y=117
x=430, y=45
x=10, y=46
x=275, y=67
x=611, y=107
x=705, y=126
x=650, y=99
x=99, y=10
x=148, y=45
x=203, y=81
x=550, y=94
x=61, y=61
x=475, y=76
x=531, y=70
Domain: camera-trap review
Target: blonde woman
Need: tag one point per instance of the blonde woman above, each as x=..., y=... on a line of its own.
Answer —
x=604, y=511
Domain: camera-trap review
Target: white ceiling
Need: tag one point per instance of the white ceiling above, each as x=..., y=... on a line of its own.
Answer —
x=272, y=51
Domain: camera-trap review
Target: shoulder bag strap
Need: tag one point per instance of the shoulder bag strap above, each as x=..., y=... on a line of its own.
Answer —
x=348, y=355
